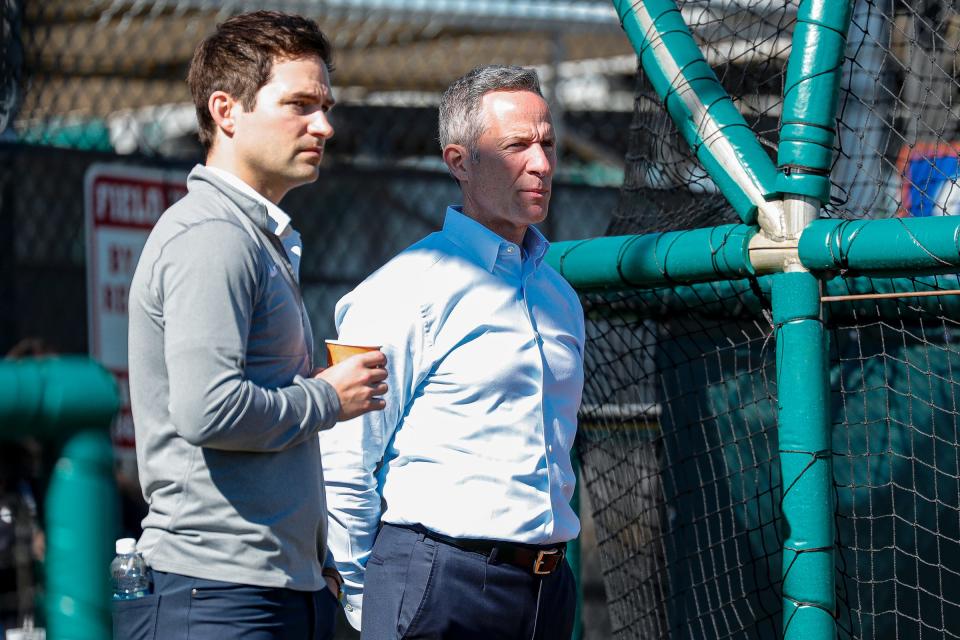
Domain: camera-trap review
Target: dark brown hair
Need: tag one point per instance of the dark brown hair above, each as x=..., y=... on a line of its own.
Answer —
x=238, y=58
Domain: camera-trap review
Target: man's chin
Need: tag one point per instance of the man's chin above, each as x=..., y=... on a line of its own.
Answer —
x=535, y=214
x=307, y=173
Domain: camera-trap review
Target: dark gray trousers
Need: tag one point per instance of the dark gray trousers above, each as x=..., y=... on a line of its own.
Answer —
x=185, y=608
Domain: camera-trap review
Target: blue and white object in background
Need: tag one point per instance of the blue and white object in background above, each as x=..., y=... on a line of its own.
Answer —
x=930, y=176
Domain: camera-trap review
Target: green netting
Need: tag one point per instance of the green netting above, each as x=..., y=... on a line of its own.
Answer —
x=679, y=451
x=680, y=457
x=896, y=396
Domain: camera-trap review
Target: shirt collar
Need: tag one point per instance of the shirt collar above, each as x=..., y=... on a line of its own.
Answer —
x=535, y=244
x=278, y=222
x=483, y=245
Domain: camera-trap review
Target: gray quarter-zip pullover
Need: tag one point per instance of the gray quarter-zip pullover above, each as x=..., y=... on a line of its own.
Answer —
x=224, y=411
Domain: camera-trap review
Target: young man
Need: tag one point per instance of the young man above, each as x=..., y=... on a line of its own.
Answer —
x=226, y=400
x=449, y=510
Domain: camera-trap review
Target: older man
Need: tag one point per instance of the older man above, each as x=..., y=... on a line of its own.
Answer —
x=226, y=400
x=450, y=509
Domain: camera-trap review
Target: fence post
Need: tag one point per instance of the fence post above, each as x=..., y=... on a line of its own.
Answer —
x=81, y=523
x=806, y=467
x=810, y=95
x=804, y=156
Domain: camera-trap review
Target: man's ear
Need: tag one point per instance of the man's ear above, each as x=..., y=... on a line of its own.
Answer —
x=456, y=156
x=221, y=106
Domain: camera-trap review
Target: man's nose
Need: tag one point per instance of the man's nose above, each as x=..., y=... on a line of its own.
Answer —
x=320, y=126
x=541, y=160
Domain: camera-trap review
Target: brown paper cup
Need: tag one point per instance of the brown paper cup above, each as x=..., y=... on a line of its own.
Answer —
x=338, y=351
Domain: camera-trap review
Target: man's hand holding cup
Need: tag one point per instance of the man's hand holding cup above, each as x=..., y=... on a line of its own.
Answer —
x=358, y=374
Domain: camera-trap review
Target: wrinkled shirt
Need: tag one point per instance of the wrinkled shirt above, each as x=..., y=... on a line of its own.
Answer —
x=484, y=345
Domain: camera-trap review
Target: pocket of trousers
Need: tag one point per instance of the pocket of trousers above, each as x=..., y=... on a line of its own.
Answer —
x=417, y=586
x=136, y=619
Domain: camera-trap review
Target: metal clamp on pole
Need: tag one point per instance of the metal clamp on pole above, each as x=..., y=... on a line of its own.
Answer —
x=771, y=253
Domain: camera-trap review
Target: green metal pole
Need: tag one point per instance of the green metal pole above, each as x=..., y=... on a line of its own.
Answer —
x=655, y=259
x=82, y=523
x=804, y=158
x=702, y=110
x=803, y=405
x=810, y=95
x=70, y=399
x=892, y=246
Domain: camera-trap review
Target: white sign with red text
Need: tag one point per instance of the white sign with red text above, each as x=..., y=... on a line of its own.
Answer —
x=122, y=203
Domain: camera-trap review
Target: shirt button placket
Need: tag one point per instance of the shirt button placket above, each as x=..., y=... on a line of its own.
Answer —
x=547, y=446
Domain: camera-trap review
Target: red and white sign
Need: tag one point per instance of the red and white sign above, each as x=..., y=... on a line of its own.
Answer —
x=122, y=203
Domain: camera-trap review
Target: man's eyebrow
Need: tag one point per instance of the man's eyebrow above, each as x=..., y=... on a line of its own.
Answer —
x=520, y=134
x=527, y=137
x=311, y=95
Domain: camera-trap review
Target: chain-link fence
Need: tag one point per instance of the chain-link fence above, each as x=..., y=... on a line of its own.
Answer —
x=353, y=219
x=107, y=78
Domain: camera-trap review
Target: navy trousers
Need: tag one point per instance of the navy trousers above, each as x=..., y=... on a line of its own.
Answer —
x=184, y=608
x=418, y=587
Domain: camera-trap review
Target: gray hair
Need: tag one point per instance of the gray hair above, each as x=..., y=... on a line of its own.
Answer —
x=460, y=121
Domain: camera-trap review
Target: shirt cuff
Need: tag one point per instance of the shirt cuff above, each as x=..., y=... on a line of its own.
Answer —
x=351, y=608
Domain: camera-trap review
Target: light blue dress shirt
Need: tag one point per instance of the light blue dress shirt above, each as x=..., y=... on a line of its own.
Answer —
x=484, y=346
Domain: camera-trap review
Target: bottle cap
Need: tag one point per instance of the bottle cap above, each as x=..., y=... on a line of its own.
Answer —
x=126, y=546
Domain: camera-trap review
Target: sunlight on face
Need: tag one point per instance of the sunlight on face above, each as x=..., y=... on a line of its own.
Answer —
x=279, y=143
x=508, y=186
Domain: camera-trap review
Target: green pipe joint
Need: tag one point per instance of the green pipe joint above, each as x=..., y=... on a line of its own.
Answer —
x=53, y=397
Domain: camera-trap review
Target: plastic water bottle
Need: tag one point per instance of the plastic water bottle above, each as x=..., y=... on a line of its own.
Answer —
x=129, y=572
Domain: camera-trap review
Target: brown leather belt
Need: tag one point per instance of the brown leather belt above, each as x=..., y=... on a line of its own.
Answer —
x=538, y=560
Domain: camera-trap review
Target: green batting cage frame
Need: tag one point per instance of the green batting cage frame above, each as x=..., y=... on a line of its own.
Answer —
x=818, y=499
x=68, y=403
